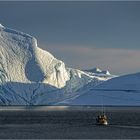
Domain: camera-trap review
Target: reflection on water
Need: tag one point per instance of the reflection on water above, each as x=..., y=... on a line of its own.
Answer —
x=69, y=108
x=63, y=122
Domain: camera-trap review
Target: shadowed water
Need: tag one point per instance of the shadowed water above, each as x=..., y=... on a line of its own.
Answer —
x=68, y=122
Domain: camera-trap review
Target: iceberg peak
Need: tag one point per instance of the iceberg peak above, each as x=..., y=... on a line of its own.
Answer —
x=99, y=71
x=1, y=26
x=32, y=76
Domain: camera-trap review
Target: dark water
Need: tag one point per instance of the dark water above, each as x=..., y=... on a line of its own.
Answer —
x=73, y=123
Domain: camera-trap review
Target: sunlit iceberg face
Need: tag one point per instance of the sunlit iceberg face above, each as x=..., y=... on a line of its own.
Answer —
x=32, y=76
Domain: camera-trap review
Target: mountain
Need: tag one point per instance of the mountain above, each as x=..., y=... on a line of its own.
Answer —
x=123, y=90
x=32, y=76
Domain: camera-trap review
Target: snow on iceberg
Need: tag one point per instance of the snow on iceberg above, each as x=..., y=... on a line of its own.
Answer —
x=123, y=90
x=32, y=76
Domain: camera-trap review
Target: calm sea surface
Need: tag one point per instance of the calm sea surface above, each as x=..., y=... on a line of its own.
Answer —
x=68, y=122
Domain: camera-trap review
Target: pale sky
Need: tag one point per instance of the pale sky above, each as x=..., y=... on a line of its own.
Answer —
x=82, y=34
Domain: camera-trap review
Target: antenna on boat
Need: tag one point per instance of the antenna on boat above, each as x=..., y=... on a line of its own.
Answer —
x=102, y=106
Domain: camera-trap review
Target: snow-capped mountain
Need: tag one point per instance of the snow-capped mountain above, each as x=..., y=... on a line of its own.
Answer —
x=32, y=76
x=123, y=90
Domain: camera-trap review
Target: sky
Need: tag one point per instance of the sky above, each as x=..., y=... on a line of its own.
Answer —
x=86, y=34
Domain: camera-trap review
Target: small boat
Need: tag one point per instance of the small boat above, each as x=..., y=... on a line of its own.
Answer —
x=102, y=120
